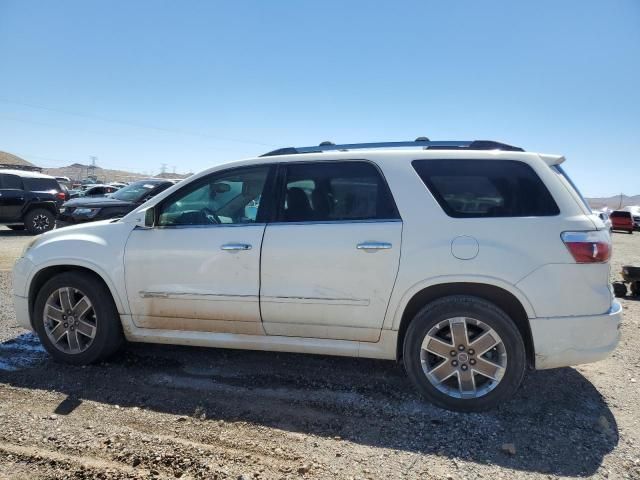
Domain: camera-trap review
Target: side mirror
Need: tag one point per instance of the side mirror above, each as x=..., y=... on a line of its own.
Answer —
x=150, y=217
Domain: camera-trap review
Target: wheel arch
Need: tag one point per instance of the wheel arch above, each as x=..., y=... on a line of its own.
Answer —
x=43, y=275
x=513, y=306
x=46, y=205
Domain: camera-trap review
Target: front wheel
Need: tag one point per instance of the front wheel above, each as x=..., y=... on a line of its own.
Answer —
x=76, y=319
x=463, y=353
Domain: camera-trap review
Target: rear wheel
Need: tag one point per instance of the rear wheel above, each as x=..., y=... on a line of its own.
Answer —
x=39, y=220
x=619, y=289
x=76, y=319
x=464, y=353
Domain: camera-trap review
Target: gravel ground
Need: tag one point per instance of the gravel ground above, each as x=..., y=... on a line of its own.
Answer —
x=167, y=412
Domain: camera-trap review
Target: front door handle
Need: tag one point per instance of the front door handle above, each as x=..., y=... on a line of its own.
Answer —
x=374, y=246
x=235, y=246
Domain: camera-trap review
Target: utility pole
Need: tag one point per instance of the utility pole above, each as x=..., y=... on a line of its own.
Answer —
x=93, y=159
x=163, y=169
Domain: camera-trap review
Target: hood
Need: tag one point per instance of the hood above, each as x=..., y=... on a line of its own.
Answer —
x=96, y=202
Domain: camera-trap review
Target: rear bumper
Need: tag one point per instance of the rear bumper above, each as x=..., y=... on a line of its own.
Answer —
x=565, y=341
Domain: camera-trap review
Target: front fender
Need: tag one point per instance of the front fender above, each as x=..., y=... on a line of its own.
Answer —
x=98, y=247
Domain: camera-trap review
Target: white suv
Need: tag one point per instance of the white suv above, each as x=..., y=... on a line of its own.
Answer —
x=467, y=261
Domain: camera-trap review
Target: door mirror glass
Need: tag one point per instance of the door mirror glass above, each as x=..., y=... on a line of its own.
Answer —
x=149, y=217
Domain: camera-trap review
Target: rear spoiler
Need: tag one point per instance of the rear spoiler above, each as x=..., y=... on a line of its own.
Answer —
x=551, y=160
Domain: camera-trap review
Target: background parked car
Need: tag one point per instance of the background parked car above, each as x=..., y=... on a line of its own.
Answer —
x=635, y=213
x=91, y=208
x=29, y=200
x=605, y=219
x=97, y=191
x=621, y=220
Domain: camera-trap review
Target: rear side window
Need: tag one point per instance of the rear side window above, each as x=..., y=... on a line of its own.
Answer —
x=10, y=182
x=486, y=188
x=336, y=191
x=41, y=184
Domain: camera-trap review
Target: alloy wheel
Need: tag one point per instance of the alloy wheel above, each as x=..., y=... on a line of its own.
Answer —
x=463, y=357
x=69, y=320
x=41, y=222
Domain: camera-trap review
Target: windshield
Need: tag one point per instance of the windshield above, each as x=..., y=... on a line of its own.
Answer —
x=134, y=192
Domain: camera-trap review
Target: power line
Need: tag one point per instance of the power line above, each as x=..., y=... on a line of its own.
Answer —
x=134, y=124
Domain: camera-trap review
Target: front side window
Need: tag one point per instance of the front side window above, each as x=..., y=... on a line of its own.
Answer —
x=10, y=182
x=334, y=191
x=486, y=188
x=224, y=198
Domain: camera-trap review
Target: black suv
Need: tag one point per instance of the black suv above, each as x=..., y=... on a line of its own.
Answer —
x=114, y=205
x=29, y=200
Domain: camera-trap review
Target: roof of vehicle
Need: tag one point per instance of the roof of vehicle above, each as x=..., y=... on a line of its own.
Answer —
x=420, y=143
x=26, y=173
x=153, y=180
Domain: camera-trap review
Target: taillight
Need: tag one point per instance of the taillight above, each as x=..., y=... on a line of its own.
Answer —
x=588, y=247
x=61, y=196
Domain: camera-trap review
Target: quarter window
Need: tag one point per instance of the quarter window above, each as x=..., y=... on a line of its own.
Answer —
x=231, y=197
x=333, y=191
x=486, y=188
x=10, y=182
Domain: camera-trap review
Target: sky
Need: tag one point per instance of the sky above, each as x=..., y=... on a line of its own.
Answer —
x=192, y=84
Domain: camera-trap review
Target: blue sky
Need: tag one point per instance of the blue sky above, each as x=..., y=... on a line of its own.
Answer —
x=197, y=83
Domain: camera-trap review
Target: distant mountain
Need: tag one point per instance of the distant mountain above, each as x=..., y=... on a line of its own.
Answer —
x=78, y=171
x=614, y=202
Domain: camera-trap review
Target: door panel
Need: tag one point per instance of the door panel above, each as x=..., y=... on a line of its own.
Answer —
x=184, y=279
x=11, y=198
x=198, y=269
x=316, y=282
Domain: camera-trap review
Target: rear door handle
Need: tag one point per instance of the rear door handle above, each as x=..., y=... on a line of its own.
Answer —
x=235, y=246
x=374, y=246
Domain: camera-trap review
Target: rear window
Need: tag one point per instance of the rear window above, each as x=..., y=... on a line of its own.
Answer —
x=41, y=184
x=486, y=188
x=620, y=215
x=560, y=171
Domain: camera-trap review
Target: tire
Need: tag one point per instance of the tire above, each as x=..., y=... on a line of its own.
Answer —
x=619, y=289
x=39, y=220
x=635, y=289
x=104, y=318
x=510, y=354
x=16, y=228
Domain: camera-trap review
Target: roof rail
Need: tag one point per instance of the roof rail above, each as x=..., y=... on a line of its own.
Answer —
x=422, y=142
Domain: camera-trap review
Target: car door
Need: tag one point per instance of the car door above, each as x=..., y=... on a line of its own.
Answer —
x=198, y=268
x=11, y=197
x=330, y=260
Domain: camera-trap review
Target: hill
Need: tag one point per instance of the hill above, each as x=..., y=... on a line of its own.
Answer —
x=78, y=171
x=614, y=202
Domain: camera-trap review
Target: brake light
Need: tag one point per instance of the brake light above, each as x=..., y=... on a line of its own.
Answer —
x=588, y=247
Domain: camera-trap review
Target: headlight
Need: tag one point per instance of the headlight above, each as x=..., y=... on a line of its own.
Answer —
x=86, y=212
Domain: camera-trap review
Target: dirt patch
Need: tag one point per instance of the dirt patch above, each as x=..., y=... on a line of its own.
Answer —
x=175, y=412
